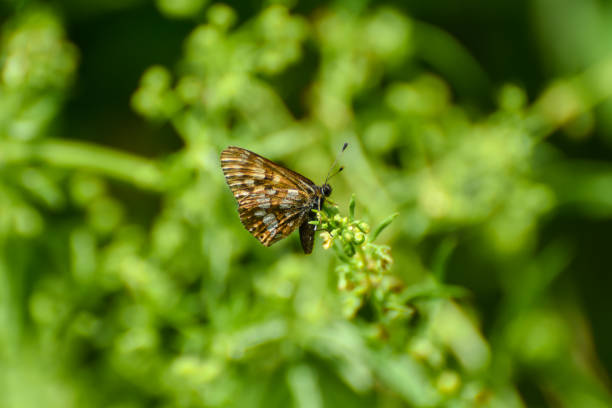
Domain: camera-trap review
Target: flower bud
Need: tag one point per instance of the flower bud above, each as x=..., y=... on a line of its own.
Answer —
x=348, y=236
x=359, y=238
x=364, y=227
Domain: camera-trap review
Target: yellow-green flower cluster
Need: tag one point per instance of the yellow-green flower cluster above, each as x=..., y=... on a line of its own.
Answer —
x=363, y=272
x=352, y=234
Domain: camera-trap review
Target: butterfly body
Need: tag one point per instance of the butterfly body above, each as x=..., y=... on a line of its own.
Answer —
x=272, y=200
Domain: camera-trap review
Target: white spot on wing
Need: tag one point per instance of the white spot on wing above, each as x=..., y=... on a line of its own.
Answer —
x=269, y=219
x=289, y=200
x=260, y=213
x=248, y=182
x=263, y=202
x=271, y=223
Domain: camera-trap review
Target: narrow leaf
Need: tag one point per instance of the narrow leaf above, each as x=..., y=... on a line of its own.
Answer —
x=352, y=208
x=444, y=252
x=382, y=226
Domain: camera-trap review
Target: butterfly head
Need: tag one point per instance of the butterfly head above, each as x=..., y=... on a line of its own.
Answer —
x=326, y=189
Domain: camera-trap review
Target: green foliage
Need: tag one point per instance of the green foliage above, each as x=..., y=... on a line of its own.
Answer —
x=363, y=274
x=127, y=280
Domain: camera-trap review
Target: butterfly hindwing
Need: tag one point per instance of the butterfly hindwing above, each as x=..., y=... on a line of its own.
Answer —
x=272, y=200
x=270, y=226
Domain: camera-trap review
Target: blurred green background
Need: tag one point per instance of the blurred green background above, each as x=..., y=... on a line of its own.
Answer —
x=127, y=280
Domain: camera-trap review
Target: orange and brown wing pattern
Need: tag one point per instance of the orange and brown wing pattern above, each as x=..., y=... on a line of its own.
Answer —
x=237, y=162
x=271, y=226
x=272, y=200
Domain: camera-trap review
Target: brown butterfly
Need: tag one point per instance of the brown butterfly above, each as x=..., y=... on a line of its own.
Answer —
x=273, y=200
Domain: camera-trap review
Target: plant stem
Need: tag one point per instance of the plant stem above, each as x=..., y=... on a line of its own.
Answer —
x=69, y=154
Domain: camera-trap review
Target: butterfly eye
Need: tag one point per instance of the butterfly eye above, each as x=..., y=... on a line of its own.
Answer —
x=326, y=190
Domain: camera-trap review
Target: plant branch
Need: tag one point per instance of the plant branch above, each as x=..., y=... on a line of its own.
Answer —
x=122, y=166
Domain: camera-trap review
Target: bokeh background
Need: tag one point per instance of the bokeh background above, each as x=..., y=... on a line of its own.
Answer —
x=127, y=280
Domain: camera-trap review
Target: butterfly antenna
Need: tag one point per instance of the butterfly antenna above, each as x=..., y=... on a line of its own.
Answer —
x=329, y=173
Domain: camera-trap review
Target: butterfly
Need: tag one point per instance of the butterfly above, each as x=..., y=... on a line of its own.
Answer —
x=273, y=200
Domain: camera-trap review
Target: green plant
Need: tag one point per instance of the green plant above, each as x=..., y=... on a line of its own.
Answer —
x=127, y=280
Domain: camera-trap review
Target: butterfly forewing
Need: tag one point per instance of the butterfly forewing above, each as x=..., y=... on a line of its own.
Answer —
x=272, y=200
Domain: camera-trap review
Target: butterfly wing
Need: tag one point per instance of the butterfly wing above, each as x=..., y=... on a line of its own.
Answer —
x=272, y=226
x=272, y=200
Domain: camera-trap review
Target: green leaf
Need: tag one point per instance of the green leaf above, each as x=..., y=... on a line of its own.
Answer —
x=352, y=208
x=443, y=252
x=431, y=289
x=382, y=226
